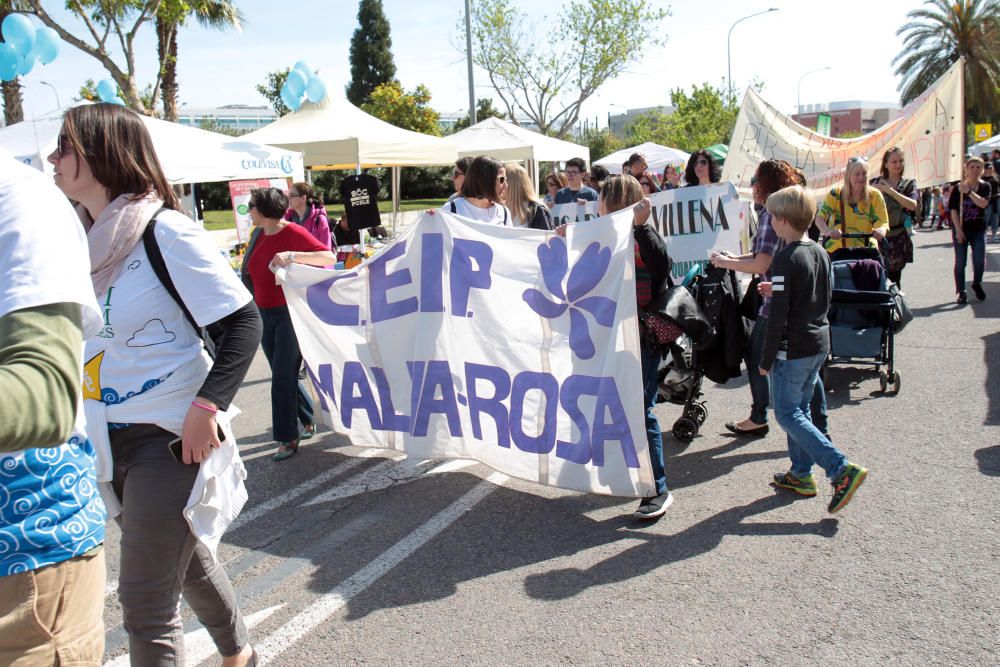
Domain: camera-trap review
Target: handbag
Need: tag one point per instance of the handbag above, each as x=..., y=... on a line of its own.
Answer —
x=901, y=314
x=661, y=329
x=750, y=305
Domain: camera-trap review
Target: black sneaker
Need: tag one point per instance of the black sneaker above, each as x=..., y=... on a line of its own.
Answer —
x=978, y=289
x=654, y=506
x=963, y=298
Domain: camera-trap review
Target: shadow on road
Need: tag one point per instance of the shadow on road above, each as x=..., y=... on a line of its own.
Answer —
x=697, y=467
x=843, y=382
x=988, y=459
x=659, y=550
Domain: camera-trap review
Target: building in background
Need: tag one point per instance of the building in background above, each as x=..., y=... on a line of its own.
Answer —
x=240, y=117
x=851, y=117
x=619, y=123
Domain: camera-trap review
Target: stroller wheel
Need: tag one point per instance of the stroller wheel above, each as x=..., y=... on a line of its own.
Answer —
x=685, y=429
x=895, y=382
x=883, y=380
x=698, y=412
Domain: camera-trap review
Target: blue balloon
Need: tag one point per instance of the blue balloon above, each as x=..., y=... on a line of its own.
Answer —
x=117, y=100
x=19, y=32
x=107, y=90
x=291, y=101
x=46, y=44
x=25, y=63
x=296, y=82
x=8, y=62
x=316, y=90
x=304, y=67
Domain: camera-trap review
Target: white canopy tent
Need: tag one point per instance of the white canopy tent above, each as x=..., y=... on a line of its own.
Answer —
x=335, y=134
x=507, y=141
x=988, y=146
x=188, y=154
x=657, y=157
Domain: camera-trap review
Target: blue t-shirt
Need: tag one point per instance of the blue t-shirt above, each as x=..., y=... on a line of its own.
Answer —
x=50, y=508
x=567, y=196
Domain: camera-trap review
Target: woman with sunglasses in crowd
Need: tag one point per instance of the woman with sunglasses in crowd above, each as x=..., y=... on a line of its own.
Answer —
x=483, y=192
x=282, y=243
x=157, y=404
x=306, y=209
x=702, y=169
x=647, y=183
x=853, y=208
x=553, y=184
x=901, y=204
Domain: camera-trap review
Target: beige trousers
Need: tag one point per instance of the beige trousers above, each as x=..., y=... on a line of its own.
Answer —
x=54, y=615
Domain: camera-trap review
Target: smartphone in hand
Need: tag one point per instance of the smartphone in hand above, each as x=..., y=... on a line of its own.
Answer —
x=175, y=446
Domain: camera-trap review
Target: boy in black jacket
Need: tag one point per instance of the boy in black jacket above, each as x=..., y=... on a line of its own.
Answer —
x=796, y=344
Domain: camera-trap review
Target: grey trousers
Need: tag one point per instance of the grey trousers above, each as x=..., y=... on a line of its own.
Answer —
x=160, y=557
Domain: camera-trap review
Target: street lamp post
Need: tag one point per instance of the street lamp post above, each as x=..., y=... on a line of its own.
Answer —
x=729, y=62
x=798, y=90
x=54, y=91
x=468, y=52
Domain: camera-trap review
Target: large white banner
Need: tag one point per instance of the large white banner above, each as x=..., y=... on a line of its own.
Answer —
x=513, y=347
x=929, y=130
x=694, y=221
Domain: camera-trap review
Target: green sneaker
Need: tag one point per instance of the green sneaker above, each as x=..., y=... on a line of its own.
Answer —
x=286, y=450
x=845, y=486
x=804, y=486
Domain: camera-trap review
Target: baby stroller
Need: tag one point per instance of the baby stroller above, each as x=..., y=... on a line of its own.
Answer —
x=861, y=312
x=680, y=375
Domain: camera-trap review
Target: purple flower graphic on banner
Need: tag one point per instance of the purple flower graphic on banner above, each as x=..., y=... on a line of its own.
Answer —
x=585, y=275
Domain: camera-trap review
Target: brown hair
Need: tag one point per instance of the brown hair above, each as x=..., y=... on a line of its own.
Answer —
x=771, y=176
x=560, y=179
x=481, y=179
x=115, y=144
x=620, y=192
x=884, y=168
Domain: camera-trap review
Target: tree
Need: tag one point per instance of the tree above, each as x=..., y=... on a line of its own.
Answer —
x=117, y=20
x=940, y=33
x=213, y=125
x=701, y=119
x=600, y=142
x=371, y=55
x=410, y=111
x=171, y=16
x=271, y=90
x=13, y=109
x=535, y=68
x=484, y=110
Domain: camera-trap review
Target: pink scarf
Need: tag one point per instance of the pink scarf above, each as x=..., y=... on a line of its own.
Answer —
x=114, y=234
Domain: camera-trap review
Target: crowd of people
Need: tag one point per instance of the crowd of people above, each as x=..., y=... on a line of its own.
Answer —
x=165, y=333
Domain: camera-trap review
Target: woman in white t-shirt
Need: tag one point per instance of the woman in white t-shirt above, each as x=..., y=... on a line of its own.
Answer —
x=157, y=404
x=483, y=193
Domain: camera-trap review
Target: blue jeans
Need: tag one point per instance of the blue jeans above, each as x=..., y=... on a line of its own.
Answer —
x=977, y=241
x=760, y=390
x=654, y=438
x=793, y=383
x=289, y=402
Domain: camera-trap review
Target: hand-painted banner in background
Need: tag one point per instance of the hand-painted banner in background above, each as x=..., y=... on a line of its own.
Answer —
x=929, y=130
x=513, y=347
x=694, y=221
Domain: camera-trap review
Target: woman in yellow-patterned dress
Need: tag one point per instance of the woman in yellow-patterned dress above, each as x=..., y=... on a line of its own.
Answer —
x=854, y=208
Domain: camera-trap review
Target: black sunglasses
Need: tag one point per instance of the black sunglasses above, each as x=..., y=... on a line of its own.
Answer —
x=62, y=145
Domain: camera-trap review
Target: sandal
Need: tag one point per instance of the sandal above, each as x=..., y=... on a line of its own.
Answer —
x=286, y=450
x=308, y=432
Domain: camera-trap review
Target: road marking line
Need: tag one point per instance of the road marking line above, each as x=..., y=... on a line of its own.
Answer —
x=257, y=511
x=198, y=644
x=305, y=621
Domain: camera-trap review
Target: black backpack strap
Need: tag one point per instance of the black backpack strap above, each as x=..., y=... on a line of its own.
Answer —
x=451, y=204
x=160, y=269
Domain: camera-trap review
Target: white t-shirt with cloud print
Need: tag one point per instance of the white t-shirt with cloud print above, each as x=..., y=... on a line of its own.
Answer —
x=145, y=337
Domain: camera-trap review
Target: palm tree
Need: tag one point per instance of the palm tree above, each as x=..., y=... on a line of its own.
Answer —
x=940, y=33
x=172, y=14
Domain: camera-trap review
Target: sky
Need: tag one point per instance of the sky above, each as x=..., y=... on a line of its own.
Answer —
x=855, y=38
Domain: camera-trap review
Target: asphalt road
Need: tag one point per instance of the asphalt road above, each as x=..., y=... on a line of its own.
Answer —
x=344, y=556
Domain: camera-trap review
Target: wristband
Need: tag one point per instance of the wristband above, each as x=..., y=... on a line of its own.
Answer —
x=204, y=407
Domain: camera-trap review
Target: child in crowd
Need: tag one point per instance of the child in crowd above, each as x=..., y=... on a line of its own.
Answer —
x=796, y=344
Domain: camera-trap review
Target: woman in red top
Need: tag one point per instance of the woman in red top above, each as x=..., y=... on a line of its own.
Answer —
x=281, y=243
